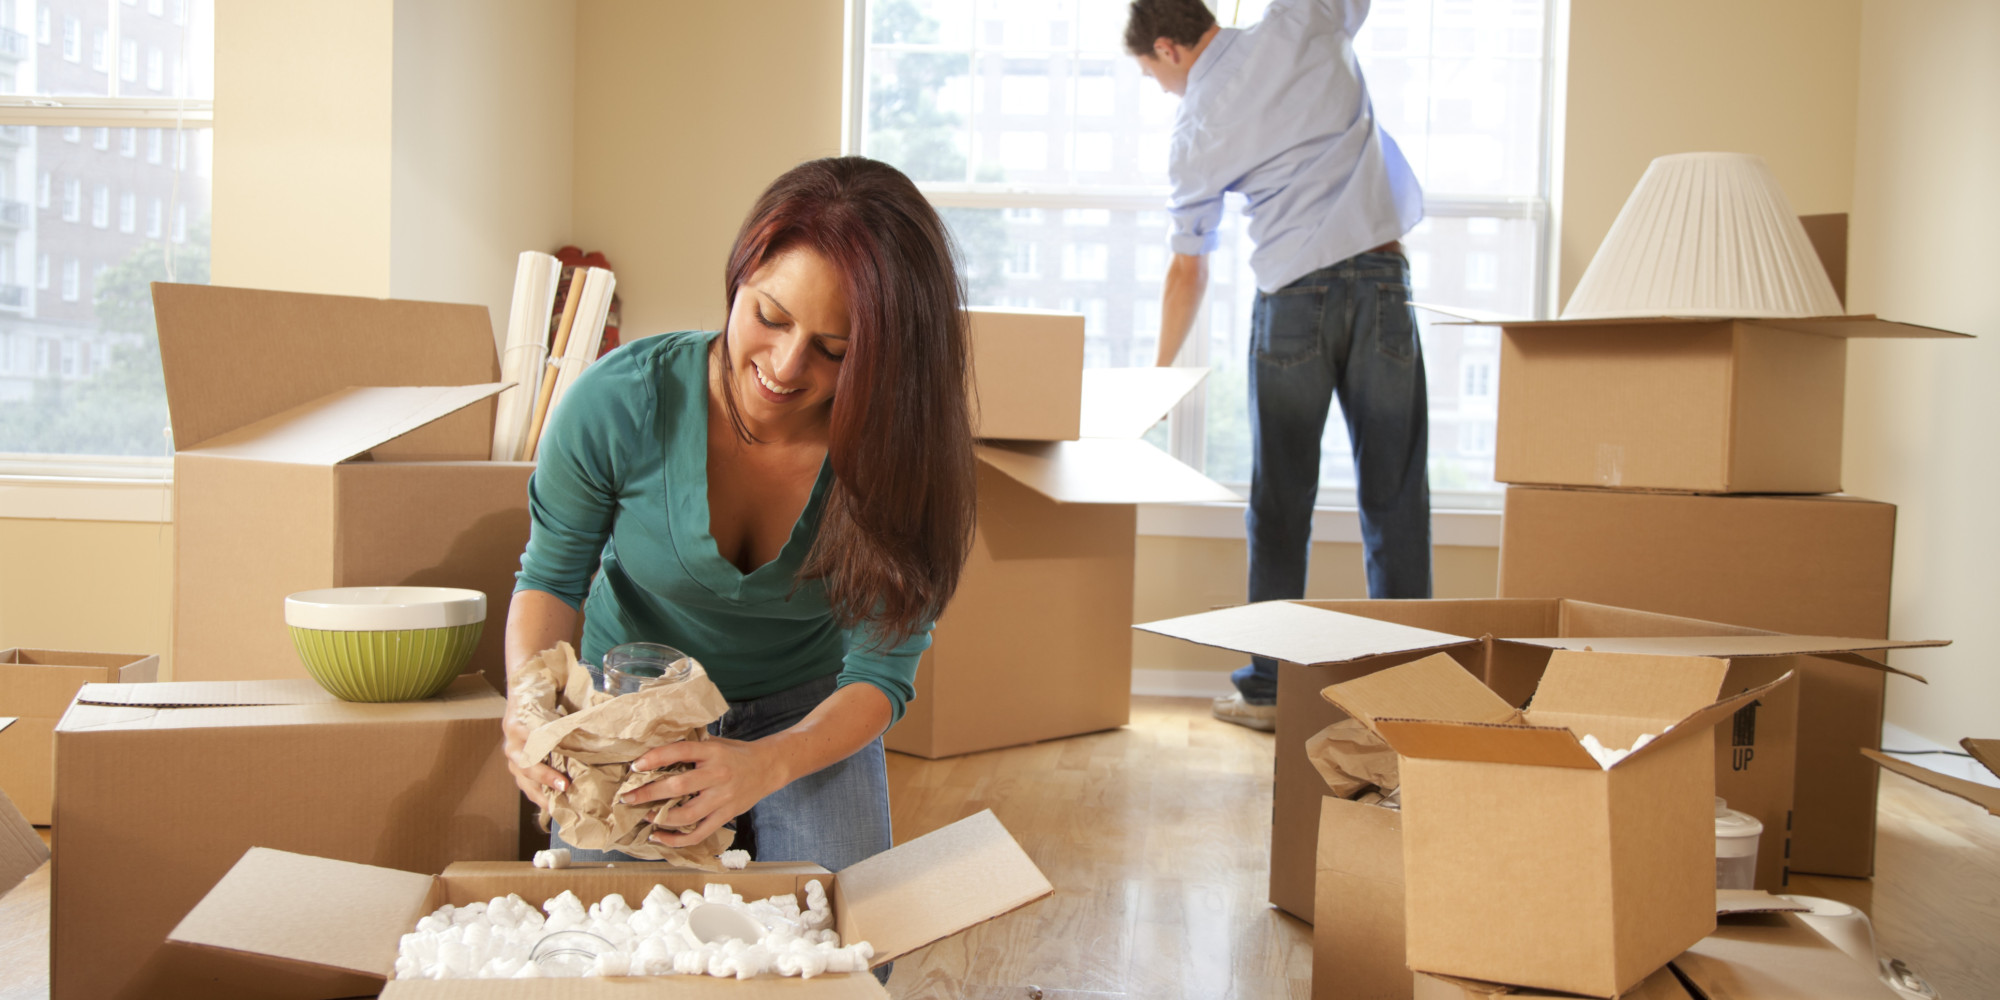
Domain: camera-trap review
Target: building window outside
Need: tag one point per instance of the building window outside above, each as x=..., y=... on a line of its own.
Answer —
x=42, y=191
x=103, y=139
x=128, y=142
x=153, y=145
x=153, y=215
x=1478, y=379
x=72, y=209
x=155, y=77
x=128, y=212
x=72, y=134
x=72, y=49
x=128, y=60
x=180, y=224
x=97, y=51
x=42, y=25
x=950, y=94
x=100, y=207
x=71, y=278
x=153, y=7
x=42, y=272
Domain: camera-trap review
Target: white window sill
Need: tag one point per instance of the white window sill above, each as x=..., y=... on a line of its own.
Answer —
x=1470, y=528
x=66, y=498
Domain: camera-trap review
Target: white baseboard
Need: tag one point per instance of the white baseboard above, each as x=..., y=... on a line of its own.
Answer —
x=1895, y=737
x=1182, y=683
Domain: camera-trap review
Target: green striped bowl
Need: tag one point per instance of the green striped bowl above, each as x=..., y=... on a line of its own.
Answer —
x=385, y=643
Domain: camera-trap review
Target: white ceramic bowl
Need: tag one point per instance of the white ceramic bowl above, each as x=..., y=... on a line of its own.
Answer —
x=384, y=609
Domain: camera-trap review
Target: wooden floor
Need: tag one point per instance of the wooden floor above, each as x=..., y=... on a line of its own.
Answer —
x=1154, y=836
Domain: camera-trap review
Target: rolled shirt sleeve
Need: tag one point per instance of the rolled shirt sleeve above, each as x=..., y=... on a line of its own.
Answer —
x=891, y=671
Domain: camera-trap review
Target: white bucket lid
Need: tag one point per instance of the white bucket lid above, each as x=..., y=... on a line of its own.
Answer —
x=1705, y=234
x=1736, y=833
x=383, y=609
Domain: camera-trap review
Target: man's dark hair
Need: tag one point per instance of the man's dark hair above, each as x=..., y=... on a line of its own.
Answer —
x=1182, y=22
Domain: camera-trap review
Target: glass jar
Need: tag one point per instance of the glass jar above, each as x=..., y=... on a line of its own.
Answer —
x=636, y=665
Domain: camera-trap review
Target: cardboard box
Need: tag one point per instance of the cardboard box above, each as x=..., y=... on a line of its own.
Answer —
x=161, y=787
x=1504, y=641
x=1673, y=403
x=328, y=441
x=1358, y=906
x=1527, y=862
x=1806, y=565
x=21, y=848
x=1775, y=956
x=1037, y=643
x=246, y=929
x=36, y=685
x=1986, y=752
x=1661, y=985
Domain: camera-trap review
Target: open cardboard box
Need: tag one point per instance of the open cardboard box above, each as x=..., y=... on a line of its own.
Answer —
x=21, y=848
x=328, y=441
x=1525, y=860
x=1806, y=565
x=311, y=927
x=160, y=787
x=1986, y=752
x=1506, y=642
x=1037, y=642
x=36, y=685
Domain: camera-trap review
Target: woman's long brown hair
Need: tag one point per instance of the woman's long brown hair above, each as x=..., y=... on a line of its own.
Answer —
x=898, y=519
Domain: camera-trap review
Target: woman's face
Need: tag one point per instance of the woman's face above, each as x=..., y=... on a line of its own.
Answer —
x=788, y=330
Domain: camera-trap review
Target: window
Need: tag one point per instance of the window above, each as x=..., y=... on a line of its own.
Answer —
x=42, y=272
x=42, y=25
x=72, y=134
x=153, y=7
x=155, y=71
x=72, y=200
x=153, y=145
x=72, y=276
x=995, y=109
x=153, y=216
x=180, y=223
x=97, y=51
x=100, y=207
x=42, y=191
x=72, y=40
x=128, y=212
x=103, y=139
x=128, y=60
x=128, y=142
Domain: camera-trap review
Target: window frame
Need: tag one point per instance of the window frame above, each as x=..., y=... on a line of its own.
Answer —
x=1187, y=423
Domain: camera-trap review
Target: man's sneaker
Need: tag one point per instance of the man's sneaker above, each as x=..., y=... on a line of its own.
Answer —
x=1232, y=708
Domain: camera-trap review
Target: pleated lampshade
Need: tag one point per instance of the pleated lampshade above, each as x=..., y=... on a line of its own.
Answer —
x=1705, y=234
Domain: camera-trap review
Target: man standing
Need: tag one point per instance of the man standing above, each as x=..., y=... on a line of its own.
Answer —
x=1279, y=113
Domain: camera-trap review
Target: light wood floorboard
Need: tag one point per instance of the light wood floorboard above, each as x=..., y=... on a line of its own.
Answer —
x=1154, y=837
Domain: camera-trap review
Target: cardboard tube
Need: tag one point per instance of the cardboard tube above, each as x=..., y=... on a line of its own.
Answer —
x=549, y=371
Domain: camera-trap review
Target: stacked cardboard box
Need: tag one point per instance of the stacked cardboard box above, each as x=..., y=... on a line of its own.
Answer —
x=36, y=686
x=1683, y=465
x=1037, y=643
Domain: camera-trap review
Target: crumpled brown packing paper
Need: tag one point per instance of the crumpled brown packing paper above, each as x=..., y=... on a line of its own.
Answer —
x=1352, y=759
x=593, y=737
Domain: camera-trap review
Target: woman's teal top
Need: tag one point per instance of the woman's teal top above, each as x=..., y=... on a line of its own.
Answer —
x=620, y=489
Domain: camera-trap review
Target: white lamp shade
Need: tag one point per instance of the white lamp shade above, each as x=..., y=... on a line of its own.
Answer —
x=1705, y=234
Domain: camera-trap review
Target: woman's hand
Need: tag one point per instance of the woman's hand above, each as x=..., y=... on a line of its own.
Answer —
x=729, y=777
x=536, y=780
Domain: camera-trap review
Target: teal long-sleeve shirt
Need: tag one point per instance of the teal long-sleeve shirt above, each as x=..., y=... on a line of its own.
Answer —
x=620, y=489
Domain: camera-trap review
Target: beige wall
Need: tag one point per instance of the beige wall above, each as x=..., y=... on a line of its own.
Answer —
x=482, y=132
x=100, y=586
x=1183, y=576
x=1770, y=77
x=688, y=111
x=1921, y=415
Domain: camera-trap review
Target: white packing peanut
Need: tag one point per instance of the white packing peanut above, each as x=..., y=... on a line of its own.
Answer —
x=734, y=858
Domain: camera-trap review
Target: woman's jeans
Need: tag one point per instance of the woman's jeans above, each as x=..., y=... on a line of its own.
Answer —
x=1344, y=330
x=833, y=817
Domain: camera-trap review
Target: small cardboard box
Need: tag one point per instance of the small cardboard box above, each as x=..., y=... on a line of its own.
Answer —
x=1805, y=565
x=328, y=441
x=160, y=787
x=1986, y=752
x=1525, y=861
x=36, y=685
x=1500, y=640
x=1358, y=907
x=1674, y=403
x=1037, y=642
x=252, y=928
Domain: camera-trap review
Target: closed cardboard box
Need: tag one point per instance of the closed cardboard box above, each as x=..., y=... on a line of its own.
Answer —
x=1805, y=565
x=1037, y=642
x=36, y=685
x=1525, y=860
x=1505, y=641
x=1706, y=405
x=328, y=441
x=161, y=787
x=245, y=930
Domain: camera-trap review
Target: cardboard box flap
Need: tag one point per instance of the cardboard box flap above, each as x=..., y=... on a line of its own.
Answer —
x=1729, y=902
x=1986, y=752
x=1102, y=470
x=941, y=883
x=1435, y=688
x=1297, y=633
x=347, y=926
x=342, y=424
x=1127, y=402
x=7, y=720
x=1729, y=647
x=21, y=848
x=1534, y=746
x=1705, y=719
x=1985, y=796
x=1845, y=327
x=209, y=694
x=233, y=356
x=1627, y=685
x=1775, y=957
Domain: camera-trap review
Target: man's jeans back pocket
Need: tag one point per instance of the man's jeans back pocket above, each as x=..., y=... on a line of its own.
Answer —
x=1395, y=327
x=1286, y=325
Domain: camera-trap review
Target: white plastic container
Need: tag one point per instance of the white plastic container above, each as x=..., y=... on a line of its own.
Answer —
x=1736, y=836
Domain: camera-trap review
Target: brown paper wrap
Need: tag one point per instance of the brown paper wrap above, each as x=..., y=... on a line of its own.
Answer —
x=1352, y=759
x=592, y=737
